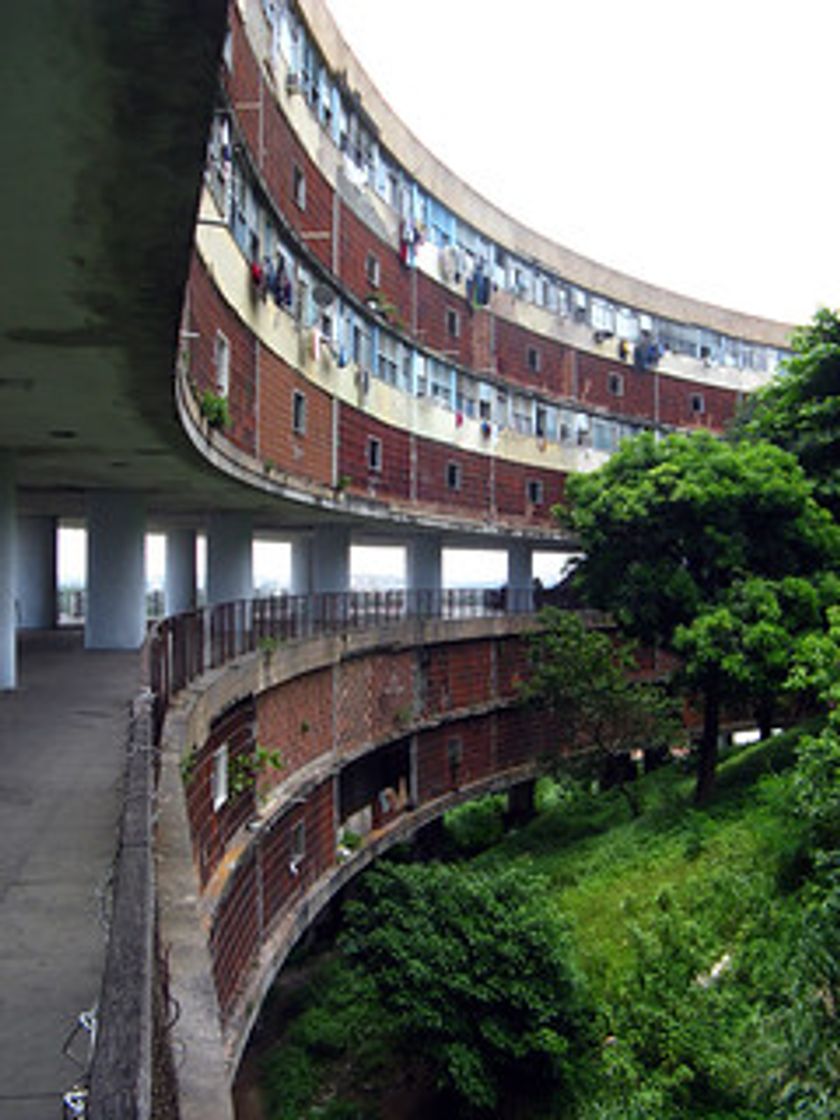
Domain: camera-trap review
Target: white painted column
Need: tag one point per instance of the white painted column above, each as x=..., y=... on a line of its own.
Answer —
x=520, y=575
x=8, y=582
x=180, y=577
x=37, y=572
x=424, y=563
x=116, y=590
x=330, y=559
x=230, y=564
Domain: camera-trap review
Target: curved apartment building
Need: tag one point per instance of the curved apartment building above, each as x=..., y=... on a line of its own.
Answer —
x=387, y=343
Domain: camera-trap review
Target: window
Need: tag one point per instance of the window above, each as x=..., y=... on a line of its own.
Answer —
x=698, y=404
x=374, y=453
x=535, y=492
x=298, y=187
x=297, y=846
x=465, y=398
x=453, y=476
x=227, y=49
x=221, y=360
x=523, y=419
x=387, y=359
x=299, y=412
x=440, y=382
x=540, y=421
x=361, y=346
x=219, y=778
x=615, y=384
x=627, y=325
x=453, y=323
x=372, y=270
x=534, y=359
x=603, y=318
x=604, y=435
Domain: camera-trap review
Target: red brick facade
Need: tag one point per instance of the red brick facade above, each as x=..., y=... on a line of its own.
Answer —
x=299, y=448
x=393, y=477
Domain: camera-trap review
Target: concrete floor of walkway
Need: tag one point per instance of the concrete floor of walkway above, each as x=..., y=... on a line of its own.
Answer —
x=62, y=748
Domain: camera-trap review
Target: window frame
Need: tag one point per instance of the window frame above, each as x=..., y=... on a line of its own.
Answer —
x=615, y=384
x=535, y=491
x=220, y=778
x=373, y=454
x=373, y=269
x=299, y=412
x=298, y=186
x=221, y=363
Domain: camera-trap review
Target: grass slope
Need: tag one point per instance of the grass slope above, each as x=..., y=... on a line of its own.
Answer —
x=686, y=926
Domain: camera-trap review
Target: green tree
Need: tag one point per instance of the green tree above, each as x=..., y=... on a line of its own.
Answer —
x=586, y=677
x=753, y=634
x=474, y=969
x=673, y=530
x=800, y=409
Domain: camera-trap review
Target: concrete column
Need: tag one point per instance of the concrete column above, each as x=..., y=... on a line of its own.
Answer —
x=230, y=565
x=116, y=592
x=301, y=566
x=520, y=575
x=330, y=559
x=8, y=582
x=424, y=563
x=37, y=570
x=180, y=579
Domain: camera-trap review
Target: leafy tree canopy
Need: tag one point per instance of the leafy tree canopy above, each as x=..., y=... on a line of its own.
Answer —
x=800, y=409
x=474, y=968
x=669, y=526
x=698, y=544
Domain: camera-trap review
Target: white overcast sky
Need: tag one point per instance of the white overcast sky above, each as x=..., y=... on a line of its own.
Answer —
x=691, y=144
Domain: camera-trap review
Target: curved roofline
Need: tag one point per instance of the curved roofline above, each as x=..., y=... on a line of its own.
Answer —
x=520, y=239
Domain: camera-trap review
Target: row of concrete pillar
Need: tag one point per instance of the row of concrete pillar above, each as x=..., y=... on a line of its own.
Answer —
x=115, y=616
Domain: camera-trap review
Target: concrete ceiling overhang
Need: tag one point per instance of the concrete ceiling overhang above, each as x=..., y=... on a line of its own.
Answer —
x=105, y=109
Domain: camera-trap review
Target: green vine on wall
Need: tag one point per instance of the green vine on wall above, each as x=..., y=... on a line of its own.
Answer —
x=244, y=769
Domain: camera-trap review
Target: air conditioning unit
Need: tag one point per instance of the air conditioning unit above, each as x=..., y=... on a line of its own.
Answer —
x=293, y=84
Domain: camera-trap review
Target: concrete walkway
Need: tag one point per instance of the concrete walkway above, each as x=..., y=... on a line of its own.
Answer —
x=62, y=753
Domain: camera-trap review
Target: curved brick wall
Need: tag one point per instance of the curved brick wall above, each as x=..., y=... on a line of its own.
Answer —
x=422, y=711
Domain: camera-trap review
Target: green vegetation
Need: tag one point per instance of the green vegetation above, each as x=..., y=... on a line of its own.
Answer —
x=800, y=410
x=682, y=962
x=690, y=542
x=586, y=675
x=244, y=769
x=215, y=409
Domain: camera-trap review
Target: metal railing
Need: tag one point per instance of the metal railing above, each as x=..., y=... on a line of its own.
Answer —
x=183, y=646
